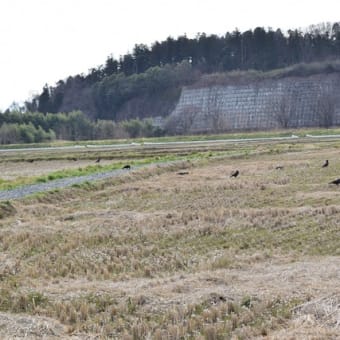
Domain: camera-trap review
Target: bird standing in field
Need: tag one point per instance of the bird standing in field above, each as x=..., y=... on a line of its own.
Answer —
x=183, y=173
x=326, y=164
x=235, y=174
x=336, y=182
x=98, y=160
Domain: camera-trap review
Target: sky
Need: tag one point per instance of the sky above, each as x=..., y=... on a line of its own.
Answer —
x=43, y=41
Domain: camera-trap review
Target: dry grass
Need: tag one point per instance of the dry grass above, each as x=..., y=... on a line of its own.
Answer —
x=14, y=170
x=163, y=256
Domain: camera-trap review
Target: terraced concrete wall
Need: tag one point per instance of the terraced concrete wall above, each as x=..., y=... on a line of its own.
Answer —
x=287, y=102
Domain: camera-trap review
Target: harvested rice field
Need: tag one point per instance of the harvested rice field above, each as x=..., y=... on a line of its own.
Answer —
x=179, y=251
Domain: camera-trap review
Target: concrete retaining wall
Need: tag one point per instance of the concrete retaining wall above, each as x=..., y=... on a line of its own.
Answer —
x=286, y=102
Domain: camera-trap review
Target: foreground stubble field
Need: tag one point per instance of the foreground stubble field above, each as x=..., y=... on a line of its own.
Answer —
x=158, y=255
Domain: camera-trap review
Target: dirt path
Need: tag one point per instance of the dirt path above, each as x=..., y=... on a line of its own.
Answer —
x=56, y=184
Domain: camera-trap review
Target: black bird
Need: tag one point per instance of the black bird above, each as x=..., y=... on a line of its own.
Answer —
x=128, y=167
x=98, y=160
x=337, y=181
x=326, y=164
x=235, y=173
x=279, y=167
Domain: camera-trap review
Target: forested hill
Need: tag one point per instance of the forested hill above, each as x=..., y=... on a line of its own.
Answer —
x=147, y=82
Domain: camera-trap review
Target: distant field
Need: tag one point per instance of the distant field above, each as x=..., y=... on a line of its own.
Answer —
x=179, y=251
x=230, y=135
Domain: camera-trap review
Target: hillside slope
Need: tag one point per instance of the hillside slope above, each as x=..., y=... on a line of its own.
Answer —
x=147, y=81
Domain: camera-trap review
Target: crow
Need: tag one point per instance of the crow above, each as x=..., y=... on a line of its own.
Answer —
x=127, y=166
x=98, y=160
x=279, y=167
x=235, y=173
x=337, y=181
x=326, y=164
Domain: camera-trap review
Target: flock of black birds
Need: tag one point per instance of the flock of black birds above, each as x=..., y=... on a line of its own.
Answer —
x=234, y=173
x=280, y=167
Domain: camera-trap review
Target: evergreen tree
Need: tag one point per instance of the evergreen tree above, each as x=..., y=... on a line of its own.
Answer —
x=44, y=100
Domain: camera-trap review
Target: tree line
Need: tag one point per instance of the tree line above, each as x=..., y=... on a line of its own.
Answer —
x=137, y=79
x=17, y=127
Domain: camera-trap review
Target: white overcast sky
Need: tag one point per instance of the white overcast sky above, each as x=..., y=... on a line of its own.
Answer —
x=43, y=41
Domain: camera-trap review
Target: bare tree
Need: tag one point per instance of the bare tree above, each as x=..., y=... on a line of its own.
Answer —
x=215, y=110
x=282, y=110
x=323, y=28
x=189, y=114
x=182, y=123
x=325, y=109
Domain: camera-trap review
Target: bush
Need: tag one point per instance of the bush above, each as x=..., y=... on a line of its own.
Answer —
x=24, y=133
x=9, y=133
x=141, y=128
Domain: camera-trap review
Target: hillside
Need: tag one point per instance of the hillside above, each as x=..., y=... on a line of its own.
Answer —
x=148, y=81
